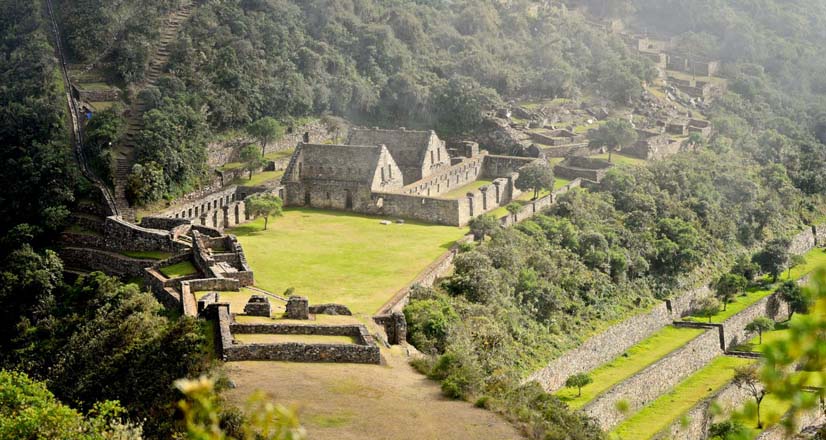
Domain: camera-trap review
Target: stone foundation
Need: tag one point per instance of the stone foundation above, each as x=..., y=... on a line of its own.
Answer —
x=298, y=307
x=258, y=305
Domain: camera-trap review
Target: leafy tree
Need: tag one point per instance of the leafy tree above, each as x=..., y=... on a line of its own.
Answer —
x=251, y=158
x=748, y=378
x=459, y=105
x=774, y=258
x=578, y=381
x=795, y=361
x=483, y=226
x=264, y=205
x=29, y=410
x=536, y=176
x=746, y=268
x=728, y=287
x=102, y=131
x=202, y=415
x=614, y=135
x=513, y=208
x=795, y=260
x=795, y=297
x=146, y=183
x=728, y=430
x=760, y=325
x=475, y=278
x=266, y=130
x=707, y=307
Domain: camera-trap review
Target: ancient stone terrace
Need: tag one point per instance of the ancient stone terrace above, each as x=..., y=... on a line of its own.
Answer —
x=371, y=179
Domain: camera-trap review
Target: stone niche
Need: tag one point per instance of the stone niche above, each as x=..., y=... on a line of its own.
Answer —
x=258, y=306
x=298, y=307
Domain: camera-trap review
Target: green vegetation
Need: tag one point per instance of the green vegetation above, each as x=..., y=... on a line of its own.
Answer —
x=324, y=255
x=147, y=255
x=461, y=192
x=670, y=406
x=631, y=362
x=814, y=258
x=259, y=179
x=620, y=159
x=182, y=269
x=279, y=154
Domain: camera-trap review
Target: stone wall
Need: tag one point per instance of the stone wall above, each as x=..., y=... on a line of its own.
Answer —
x=109, y=263
x=214, y=284
x=803, y=241
x=698, y=419
x=330, y=309
x=198, y=205
x=124, y=236
x=655, y=380
x=577, y=167
x=456, y=176
x=163, y=223
x=614, y=341
x=503, y=166
x=426, y=209
x=364, y=351
x=734, y=329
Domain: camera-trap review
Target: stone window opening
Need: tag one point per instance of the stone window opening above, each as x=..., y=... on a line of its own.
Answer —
x=383, y=178
x=432, y=160
x=328, y=195
x=390, y=170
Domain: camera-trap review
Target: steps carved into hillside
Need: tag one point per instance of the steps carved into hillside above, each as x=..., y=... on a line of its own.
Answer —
x=125, y=154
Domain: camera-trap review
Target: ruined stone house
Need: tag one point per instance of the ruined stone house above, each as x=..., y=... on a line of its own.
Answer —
x=417, y=153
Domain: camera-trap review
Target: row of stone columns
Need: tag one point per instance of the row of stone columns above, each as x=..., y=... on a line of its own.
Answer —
x=225, y=217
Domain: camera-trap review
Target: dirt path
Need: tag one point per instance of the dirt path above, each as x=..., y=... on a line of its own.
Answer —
x=348, y=401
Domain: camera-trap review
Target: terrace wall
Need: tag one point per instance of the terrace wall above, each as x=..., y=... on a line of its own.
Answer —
x=654, y=381
x=615, y=340
x=124, y=236
x=107, y=262
x=698, y=420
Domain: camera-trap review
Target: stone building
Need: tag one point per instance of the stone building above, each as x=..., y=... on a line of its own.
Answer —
x=401, y=173
x=340, y=176
x=417, y=153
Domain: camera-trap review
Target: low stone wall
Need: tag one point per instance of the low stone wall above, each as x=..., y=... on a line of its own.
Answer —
x=365, y=351
x=214, y=284
x=109, y=263
x=448, y=179
x=330, y=309
x=163, y=223
x=655, y=380
x=802, y=242
x=167, y=295
x=426, y=209
x=124, y=236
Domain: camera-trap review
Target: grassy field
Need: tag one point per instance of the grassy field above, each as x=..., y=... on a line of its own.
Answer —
x=178, y=270
x=670, y=406
x=355, y=402
x=281, y=339
x=279, y=154
x=259, y=178
x=814, y=258
x=619, y=159
x=462, y=191
x=148, y=255
x=341, y=257
x=634, y=360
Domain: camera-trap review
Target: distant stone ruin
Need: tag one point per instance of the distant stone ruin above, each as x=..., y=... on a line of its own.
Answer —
x=258, y=305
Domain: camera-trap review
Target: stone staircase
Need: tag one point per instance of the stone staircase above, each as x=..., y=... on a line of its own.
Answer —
x=125, y=154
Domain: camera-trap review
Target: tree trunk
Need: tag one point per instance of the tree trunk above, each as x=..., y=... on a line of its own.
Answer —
x=610, y=151
x=580, y=392
x=263, y=148
x=250, y=174
x=760, y=333
x=759, y=422
x=266, y=219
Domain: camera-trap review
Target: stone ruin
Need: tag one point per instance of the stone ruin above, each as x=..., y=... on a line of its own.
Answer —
x=298, y=307
x=258, y=305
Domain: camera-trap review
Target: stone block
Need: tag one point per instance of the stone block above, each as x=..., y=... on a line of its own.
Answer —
x=298, y=307
x=258, y=305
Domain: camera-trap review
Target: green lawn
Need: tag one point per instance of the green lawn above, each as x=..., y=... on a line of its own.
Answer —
x=670, y=406
x=462, y=191
x=282, y=339
x=814, y=258
x=634, y=360
x=619, y=159
x=340, y=257
x=178, y=270
x=148, y=255
x=258, y=179
x=279, y=154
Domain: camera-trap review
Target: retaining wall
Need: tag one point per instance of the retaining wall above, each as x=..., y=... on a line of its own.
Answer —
x=614, y=341
x=106, y=262
x=124, y=236
x=698, y=420
x=654, y=381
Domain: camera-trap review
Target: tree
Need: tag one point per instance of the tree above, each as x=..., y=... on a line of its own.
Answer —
x=202, y=412
x=29, y=410
x=536, y=176
x=746, y=267
x=707, y=307
x=483, y=226
x=146, y=183
x=614, y=135
x=760, y=325
x=795, y=297
x=459, y=105
x=266, y=130
x=578, y=381
x=251, y=158
x=513, y=208
x=748, y=378
x=728, y=286
x=796, y=260
x=774, y=257
x=266, y=205
x=798, y=359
